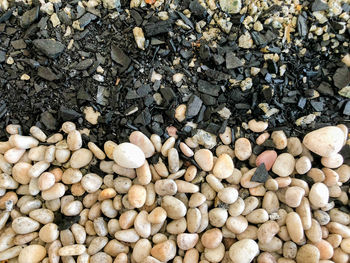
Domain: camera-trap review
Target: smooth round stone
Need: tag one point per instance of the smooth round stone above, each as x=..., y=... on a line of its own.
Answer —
x=308, y=254
x=325, y=142
x=243, y=149
x=164, y=251
x=32, y=254
x=174, y=207
x=24, y=225
x=223, y=167
x=319, y=195
x=80, y=158
x=333, y=161
x=244, y=251
x=186, y=241
x=128, y=155
x=303, y=165
x=204, y=159
x=142, y=141
x=268, y=158
x=257, y=126
x=284, y=165
x=294, y=195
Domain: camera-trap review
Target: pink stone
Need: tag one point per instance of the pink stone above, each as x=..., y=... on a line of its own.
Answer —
x=266, y=157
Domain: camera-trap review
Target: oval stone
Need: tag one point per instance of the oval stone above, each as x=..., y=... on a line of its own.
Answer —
x=142, y=141
x=128, y=155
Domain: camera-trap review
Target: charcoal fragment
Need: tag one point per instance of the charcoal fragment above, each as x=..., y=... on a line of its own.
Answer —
x=49, y=47
x=68, y=114
x=197, y=9
x=319, y=5
x=29, y=17
x=207, y=88
x=325, y=89
x=2, y=56
x=317, y=105
x=260, y=174
x=84, y=64
x=65, y=222
x=194, y=105
x=120, y=57
x=346, y=110
x=160, y=27
x=46, y=73
x=48, y=120
x=302, y=24
x=341, y=77
x=232, y=61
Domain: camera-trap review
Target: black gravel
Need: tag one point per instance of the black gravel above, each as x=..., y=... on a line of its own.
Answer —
x=65, y=75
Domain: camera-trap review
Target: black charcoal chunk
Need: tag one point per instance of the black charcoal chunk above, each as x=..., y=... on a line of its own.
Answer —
x=84, y=64
x=198, y=10
x=160, y=27
x=319, y=5
x=144, y=90
x=260, y=174
x=218, y=59
x=341, y=77
x=120, y=57
x=68, y=114
x=48, y=120
x=232, y=61
x=65, y=222
x=49, y=47
x=2, y=56
x=6, y=16
x=325, y=89
x=144, y=118
x=168, y=94
x=346, y=110
x=86, y=19
x=208, y=88
x=302, y=24
x=317, y=105
x=46, y=73
x=204, y=52
x=136, y=16
x=185, y=19
x=29, y=17
x=194, y=105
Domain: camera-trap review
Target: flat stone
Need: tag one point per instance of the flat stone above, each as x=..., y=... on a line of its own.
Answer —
x=231, y=6
x=120, y=57
x=194, y=105
x=48, y=120
x=29, y=17
x=260, y=174
x=341, y=78
x=2, y=56
x=18, y=44
x=46, y=73
x=49, y=47
x=84, y=64
x=319, y=5
x=232, y=61
x=208, y=88
x=346, y=110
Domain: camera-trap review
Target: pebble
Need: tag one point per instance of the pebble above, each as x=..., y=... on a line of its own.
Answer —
x=284, y=165
x=128, y=155
x=294, y=146
x=91, y=115
x=24, y=225
x=71, y=250
x=164, y=251
x=142, y=141
x=137, y=196
x=333, y=161
x=243, y=251
x=257, y=126
x=186, y=241
x=228, y=195
x=174, y=208
x=279, y=139
x=294, y=195
x=80, y=158
x=308, y=254
x=212, y=238
x=226, y=137
x=180, y=112
x=303, y=165
x=243, y=149
x=139, y=37
x=325, y=142
x=319, y=195
x=204, y=159
x=268, y=158
x=223, y=167
x=32, y=254
x=295, y=227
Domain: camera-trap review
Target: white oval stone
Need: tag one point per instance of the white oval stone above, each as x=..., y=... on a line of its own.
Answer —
x=128, y=155
x=244, y=251
x=142, y=141
x=325, y=141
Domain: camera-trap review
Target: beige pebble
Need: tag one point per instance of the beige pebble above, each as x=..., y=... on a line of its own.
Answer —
x=218, y=216
x=142, y=225
x=46, y=181
x=56, y=191
x=72, y=250
x=180, y=112
x=74, y=140
x=325, y=249
x=164, y=251
x=142, y=250
x=193, y=219
x=226, y=137
x=319, y=195
x=157, y=216
x=258, y=216
x=262, y=138
x=303, y=165
x=294, y=146
x=196, y=200
x=23, y=142
x=308, y=254
x=279, y=139
x=71, y=176
x=333, y=161
x=186, y=187
x=173, y=160
x=267, y=231
x=109, y=147
x=91, y=182
x=314, y=233
x=294, y=196
x=186, y=150
x=204, y=159
x=157, y=142
x=244, y=251
x=142, y=141
x=80, y=158
x=243, y=149
x=24, y=225
x=215, y=254
x=284, y=165
x=190, y=173
x=325, y=142
x=257, y=126
x=295, y=227
x=32, y=254
x=228, y=195
x=344, y=173
x=223, y=167
x=237, y=224
x=212, y=238
x=186, y=241
x=137, y=196
x=13, y=155
x=128, y=155
x=174, y=207
x=20, y=172
x=55, y=138
x=49, y=233
x=98, y=153
x=37, y=153
x=345, y=245
x=167, y=145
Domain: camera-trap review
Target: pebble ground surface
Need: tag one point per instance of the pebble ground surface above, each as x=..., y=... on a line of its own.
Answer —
x=174, y=131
